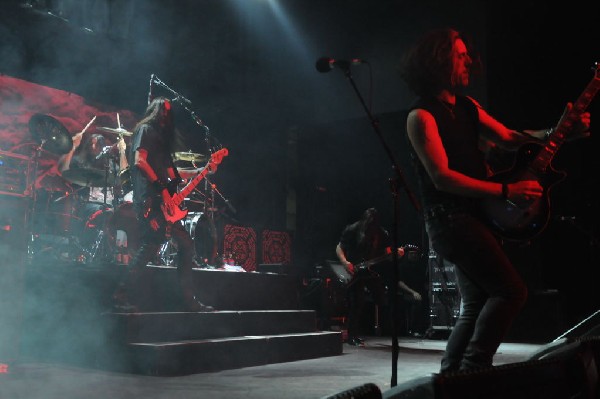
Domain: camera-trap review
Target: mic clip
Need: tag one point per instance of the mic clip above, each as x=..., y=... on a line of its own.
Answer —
x=105, y=150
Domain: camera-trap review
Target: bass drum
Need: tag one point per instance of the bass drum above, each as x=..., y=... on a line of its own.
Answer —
x=124, y=232
x=203, y=232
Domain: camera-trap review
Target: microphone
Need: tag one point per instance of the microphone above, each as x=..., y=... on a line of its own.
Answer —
x=105, y=150
x=326, y=64
x=150, y=89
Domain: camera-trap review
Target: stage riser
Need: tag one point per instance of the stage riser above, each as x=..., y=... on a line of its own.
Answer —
x=68, y=318
x=206, y=356
x=163, y=327
x=94, y=286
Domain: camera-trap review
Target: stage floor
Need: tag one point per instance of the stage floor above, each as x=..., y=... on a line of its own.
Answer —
x=305, y=379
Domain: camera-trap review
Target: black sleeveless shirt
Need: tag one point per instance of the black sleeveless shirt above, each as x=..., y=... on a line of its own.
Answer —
x=458, y=129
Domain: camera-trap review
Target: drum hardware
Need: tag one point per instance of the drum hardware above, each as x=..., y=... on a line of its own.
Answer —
x=53, y=137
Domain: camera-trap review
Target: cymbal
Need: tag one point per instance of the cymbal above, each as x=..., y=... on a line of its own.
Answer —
x=53, y=136
x=116, y=131
x=189, y=157
x=88, y=177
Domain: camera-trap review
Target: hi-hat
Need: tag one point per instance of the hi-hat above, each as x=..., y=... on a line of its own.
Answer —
x=89, y=177
x=116, y=131
x=189, y=157
x=53, y=136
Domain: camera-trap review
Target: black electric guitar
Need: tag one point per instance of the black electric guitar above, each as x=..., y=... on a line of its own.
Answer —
x=522, y=221
x=170, y=206
x=409, y=251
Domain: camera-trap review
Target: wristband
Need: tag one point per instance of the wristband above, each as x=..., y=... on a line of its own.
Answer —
x=504, y=191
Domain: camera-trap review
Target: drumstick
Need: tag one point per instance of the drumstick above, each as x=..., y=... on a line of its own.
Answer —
x=87, y=126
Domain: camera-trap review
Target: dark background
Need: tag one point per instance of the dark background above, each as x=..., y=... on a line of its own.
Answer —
x=303, y=156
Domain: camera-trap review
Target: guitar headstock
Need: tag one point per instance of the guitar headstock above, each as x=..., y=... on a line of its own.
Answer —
x=216, y=158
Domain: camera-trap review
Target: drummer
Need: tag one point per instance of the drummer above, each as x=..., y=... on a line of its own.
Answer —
x=97, y=164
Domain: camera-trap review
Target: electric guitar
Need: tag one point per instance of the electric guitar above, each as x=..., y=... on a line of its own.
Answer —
x=524, y=220
x=171, y=212
x=408, y=250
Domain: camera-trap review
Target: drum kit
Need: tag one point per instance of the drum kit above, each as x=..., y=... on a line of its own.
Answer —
x=86, y=230
x=63, y=222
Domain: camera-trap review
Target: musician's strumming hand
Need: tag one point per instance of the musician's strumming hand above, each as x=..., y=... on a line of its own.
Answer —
x=525, y=190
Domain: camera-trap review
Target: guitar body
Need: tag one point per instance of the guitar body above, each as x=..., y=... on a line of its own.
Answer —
x=170, y=211
x=522, y=221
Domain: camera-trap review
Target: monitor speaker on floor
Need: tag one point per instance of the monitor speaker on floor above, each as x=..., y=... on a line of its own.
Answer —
x=365, y=391
x=568, y=372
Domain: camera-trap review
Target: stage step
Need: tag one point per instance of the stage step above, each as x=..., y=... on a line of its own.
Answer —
x=180, y=343
x=66, y=320
x=205, y=355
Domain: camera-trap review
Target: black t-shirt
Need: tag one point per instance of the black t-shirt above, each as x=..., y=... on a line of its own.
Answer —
x=359, y=249
x=152, y=140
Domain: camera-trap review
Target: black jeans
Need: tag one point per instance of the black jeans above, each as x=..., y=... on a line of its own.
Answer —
x=151, y=241
x=365, y=283
x=492, y=291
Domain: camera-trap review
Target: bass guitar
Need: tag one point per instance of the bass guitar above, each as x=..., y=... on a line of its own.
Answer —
x=524, y=220
x=170, y=206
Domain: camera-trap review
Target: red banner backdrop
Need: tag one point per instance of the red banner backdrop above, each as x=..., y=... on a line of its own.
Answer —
x=276, y=247
x=20, y=100
x=239, y=244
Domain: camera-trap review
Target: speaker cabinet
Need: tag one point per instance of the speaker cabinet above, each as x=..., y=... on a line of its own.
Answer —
x=444, y=298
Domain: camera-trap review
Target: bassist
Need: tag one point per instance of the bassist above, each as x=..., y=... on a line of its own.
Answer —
x=154, y=178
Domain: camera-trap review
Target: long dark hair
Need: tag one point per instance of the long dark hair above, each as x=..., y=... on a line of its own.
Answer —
x=154, y=116
x=369, y=223
x=427, y=66
x=85, y=153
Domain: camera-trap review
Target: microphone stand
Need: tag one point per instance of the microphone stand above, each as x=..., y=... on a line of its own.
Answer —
x=184, y=102
x=395, y=183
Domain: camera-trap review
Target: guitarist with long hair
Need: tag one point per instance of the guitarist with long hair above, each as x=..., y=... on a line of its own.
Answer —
x=445, y=129
x=155, y=179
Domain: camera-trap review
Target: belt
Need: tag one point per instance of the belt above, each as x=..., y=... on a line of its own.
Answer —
x=442, y=210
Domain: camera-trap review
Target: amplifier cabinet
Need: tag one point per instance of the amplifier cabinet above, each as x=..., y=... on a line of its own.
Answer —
x=444, y=297
x=15, y=174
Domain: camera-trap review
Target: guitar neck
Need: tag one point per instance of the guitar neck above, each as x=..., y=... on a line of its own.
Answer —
x=187, y=190
x=215, y=159
x=558, y=137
